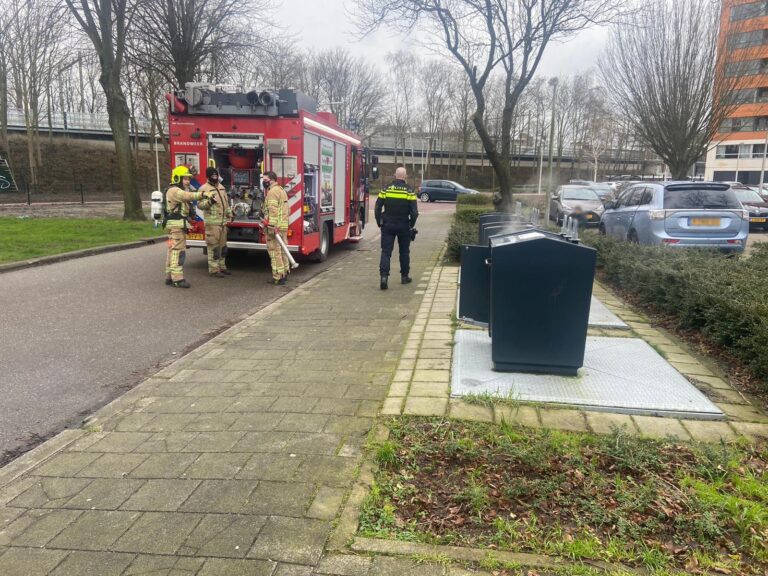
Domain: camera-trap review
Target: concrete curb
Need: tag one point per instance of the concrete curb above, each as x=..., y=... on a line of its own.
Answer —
x=13, y=266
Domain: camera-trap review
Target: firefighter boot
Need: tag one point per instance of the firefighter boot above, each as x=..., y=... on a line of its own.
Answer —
x=225, y=272
x=168, y=282
x=406, y=279
x=383, y=282
x=181, y=284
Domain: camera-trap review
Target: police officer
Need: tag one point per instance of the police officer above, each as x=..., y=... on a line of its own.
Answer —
x=178, y=209
x=216, y=212
x=396, y=213
x=276, y=222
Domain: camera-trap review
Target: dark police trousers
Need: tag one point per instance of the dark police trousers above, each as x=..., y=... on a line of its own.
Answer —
x=390, y=231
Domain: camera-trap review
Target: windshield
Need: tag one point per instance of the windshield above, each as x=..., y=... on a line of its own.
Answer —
x=580, y=194
x=748, y=196
x=697, y=199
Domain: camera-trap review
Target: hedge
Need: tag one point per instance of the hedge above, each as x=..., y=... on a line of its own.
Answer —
x=474, y=199
x=726, y=299
x=465, y=224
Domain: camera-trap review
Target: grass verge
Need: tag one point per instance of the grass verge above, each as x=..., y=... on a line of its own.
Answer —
x=27, y=238
x=667, y=507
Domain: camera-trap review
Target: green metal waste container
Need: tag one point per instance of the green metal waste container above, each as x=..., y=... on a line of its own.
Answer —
x=540, y=295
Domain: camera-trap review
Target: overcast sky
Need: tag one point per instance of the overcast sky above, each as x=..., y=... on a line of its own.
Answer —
x=321, y=24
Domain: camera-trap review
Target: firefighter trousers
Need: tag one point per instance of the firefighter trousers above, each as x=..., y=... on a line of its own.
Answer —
x=390, y=231
x=216, y=241
x=174, y=261
x=280, y=264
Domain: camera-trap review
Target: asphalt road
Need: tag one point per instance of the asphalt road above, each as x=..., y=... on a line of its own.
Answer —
x=76, y=334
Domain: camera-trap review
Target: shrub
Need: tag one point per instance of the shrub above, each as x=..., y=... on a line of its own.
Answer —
x=461, y=233
x=465, y=225
x=726, y=299
x=470, y=214
x=474, y=200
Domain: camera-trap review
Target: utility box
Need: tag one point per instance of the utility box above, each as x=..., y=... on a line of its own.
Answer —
x=540, y=295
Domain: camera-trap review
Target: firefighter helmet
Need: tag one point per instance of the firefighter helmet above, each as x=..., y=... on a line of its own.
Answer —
x=180, y=172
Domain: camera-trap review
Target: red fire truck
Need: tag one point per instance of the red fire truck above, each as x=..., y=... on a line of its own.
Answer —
x=323, y=167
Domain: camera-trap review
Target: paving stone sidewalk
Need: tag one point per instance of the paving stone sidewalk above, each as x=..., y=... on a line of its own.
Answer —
x=237, y=458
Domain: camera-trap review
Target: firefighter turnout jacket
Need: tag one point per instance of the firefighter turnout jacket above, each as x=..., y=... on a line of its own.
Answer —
x=397, y=204
x=276, y=202
x=179, y=207
x=215, y=204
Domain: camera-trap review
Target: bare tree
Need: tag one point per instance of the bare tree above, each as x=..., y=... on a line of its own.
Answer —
x=461, y=115
x=350, y=88
x=670, y=78
x=4, y=17
x=483, y=34
x=188, y=40
x=107, y=23
x=401, y=102
x=598, y=135
x=434, y=81
x=35, y=54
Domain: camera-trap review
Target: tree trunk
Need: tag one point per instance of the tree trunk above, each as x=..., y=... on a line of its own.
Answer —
x=4, y=110
x=500, y=166
x=119, y=115
x=679, y=169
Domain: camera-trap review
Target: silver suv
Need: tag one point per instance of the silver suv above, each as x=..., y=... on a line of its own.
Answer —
x=678, y=214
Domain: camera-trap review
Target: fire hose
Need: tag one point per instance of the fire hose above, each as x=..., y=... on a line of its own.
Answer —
x=280, y=241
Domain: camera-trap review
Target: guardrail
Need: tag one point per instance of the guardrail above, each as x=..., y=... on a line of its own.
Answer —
x=98, y=123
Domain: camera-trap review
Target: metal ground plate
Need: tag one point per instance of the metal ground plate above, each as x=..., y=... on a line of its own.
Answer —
x=601, y=317
x=623, y=375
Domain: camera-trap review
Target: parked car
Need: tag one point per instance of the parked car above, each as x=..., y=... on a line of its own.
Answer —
x=581, y=202
x=756, y=204
x=431, y=190
x=678, y=214
x=604, y=190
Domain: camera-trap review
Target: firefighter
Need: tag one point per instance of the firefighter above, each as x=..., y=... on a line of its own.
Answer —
x=276, y=222
x=396, y=213
x=178, y=206
x=216, y=212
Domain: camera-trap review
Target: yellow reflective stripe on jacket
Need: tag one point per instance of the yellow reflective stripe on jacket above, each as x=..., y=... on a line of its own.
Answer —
x=397, y=192
x=400, y=195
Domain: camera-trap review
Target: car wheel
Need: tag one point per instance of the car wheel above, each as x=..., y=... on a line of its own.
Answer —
x=632, y=237
x=601, y=230
x=321, y=254
x=559, y=219
x=424, y=197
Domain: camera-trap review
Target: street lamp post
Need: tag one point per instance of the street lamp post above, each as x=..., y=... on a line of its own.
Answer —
x=552, y=82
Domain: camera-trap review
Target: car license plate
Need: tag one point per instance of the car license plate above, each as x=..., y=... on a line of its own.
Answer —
x=705, y=221
x=194, y=236
x=757, y=219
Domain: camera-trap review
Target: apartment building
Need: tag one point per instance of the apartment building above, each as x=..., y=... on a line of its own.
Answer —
x=739, y=151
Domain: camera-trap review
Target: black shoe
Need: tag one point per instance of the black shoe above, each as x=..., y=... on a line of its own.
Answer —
x=182, y=284
x=282, y=281
x=226, y=272
x=383, y=282
x=168, y=282
x=216, y=275
x=405, y=280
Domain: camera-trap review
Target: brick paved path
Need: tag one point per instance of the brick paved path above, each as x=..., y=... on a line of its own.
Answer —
x=236, y=459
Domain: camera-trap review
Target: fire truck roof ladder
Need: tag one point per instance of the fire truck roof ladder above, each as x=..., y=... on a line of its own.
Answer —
x=227, y=100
